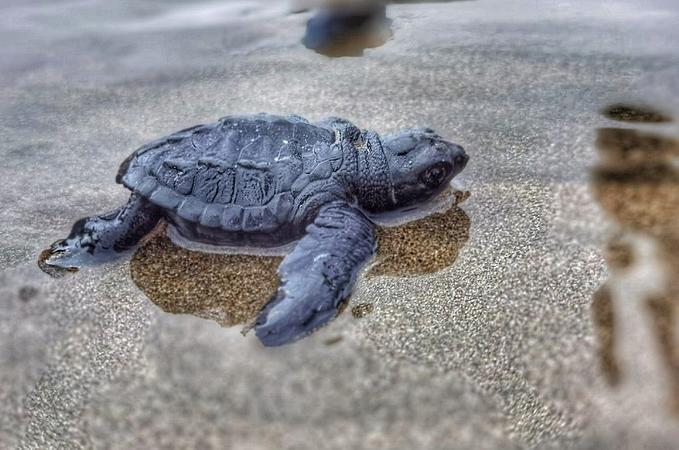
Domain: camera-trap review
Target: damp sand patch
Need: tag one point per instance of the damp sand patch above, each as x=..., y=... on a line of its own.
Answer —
x=231, y=289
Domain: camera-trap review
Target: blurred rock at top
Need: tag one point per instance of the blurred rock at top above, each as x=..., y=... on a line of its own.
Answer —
x=346, y=27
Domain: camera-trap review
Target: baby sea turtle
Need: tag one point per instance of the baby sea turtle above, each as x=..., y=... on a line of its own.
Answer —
x=265, y=181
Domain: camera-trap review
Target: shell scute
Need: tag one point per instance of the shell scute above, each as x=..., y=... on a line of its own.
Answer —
x=147, y=186
x=255, y=188
x=207, y=183
x=300, y=183
x=252, y=219
x=166, y=198
x=283, y=207
x=190, y=209
x=212, y=216
x=232, y=218
x=322, y=171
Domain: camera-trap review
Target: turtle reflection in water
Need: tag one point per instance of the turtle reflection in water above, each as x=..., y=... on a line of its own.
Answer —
x=232, y=288
x=266, y=181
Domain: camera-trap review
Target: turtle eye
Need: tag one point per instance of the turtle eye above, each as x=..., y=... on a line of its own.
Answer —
x=433, y=177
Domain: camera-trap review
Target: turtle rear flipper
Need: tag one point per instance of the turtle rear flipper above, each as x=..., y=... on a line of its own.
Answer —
x=101, y=238
x=318, y=276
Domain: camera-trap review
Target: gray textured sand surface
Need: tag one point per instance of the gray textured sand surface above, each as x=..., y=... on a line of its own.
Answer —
x=496, y=351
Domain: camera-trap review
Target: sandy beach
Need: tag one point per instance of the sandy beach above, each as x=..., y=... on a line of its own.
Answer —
x=494, y=348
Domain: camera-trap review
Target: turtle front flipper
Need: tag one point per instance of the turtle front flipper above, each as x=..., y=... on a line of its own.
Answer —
x=318, y=275
x=101, y=238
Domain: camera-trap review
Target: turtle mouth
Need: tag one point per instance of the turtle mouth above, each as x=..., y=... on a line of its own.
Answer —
x=409, y=194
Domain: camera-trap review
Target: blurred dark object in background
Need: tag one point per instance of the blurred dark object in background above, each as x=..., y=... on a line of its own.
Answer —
x=348, y=27
x=348, y=30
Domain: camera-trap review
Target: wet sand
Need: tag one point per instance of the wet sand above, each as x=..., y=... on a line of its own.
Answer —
x=232, y=289
x=498, y=349
x=637, y=183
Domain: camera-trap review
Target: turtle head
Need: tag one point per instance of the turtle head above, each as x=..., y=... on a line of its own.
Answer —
x=421, y=164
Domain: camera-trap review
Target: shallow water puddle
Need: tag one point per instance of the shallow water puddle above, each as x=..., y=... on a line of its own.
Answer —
x=232, y=289
x=637, y=184
x=423, y=246
x=229, y=289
